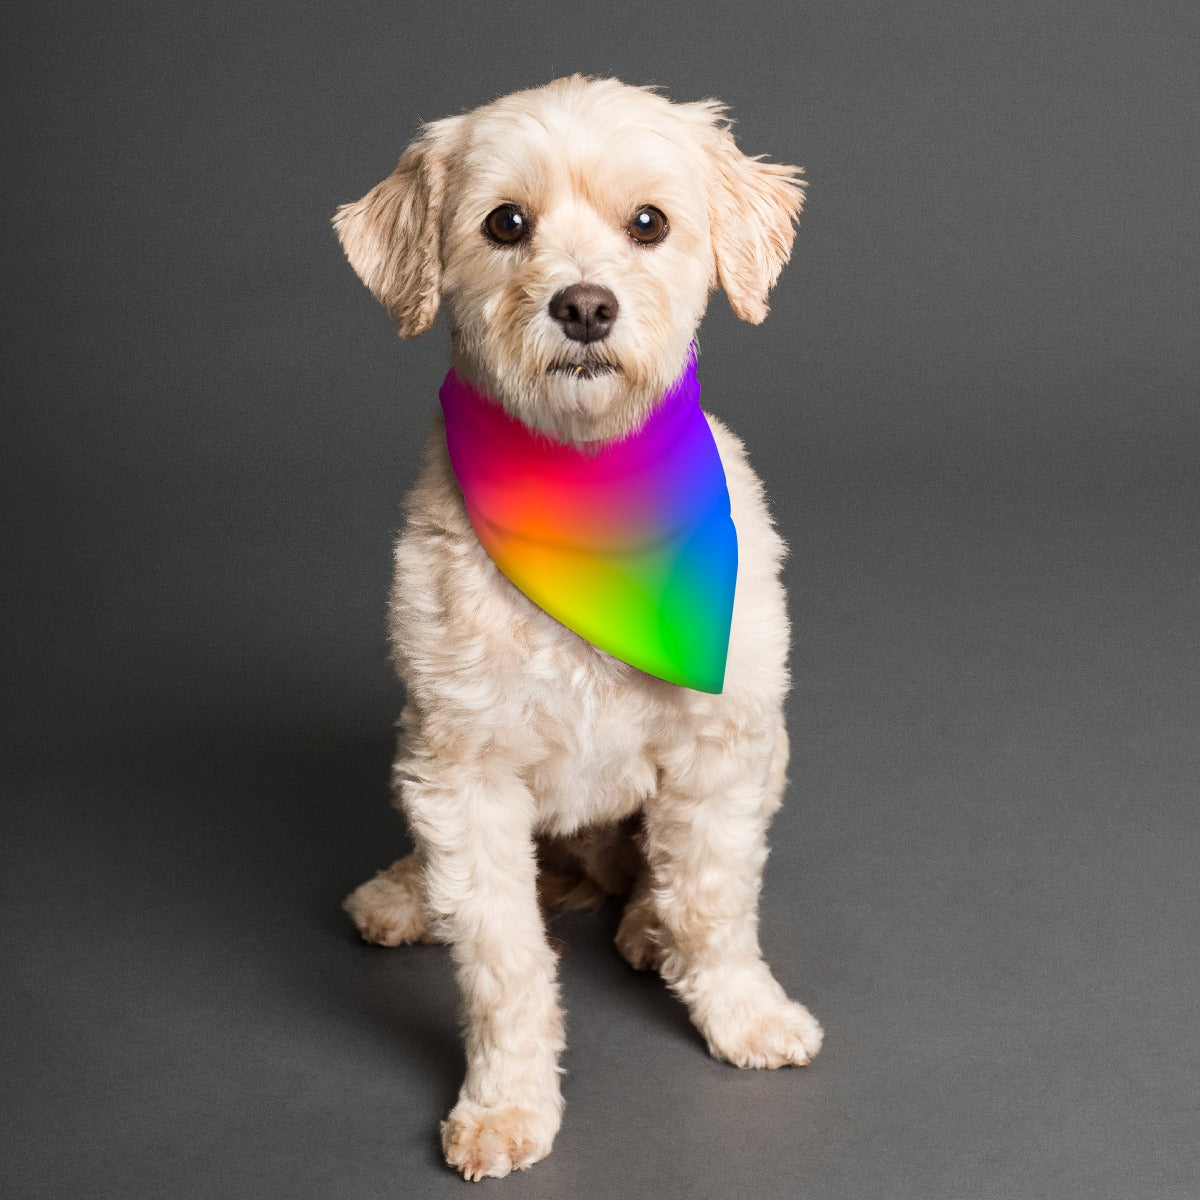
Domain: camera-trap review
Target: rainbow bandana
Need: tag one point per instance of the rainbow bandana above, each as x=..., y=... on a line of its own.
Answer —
x=631, y=546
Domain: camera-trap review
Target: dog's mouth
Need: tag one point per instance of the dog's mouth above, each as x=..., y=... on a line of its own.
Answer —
x=588, y=369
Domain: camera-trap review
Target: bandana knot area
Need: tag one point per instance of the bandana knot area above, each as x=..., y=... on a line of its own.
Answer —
x=630, y=544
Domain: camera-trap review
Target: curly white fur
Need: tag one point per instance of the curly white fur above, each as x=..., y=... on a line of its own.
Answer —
x=518, y=734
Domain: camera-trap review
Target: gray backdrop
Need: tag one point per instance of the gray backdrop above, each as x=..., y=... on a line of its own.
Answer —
x=975, y=409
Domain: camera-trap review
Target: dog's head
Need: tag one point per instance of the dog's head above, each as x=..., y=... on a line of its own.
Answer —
x=575, y=232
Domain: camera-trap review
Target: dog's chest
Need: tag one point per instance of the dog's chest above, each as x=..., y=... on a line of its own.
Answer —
x=583, y=730
x=595, y=763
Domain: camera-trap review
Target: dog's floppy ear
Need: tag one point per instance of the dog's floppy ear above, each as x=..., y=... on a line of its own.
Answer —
x=391, y=236
x=753, y=210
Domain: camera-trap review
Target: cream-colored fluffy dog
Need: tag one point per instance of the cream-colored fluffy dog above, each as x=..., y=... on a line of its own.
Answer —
x=524, y=747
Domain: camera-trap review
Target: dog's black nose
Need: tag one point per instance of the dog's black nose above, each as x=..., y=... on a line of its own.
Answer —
x=586, y=311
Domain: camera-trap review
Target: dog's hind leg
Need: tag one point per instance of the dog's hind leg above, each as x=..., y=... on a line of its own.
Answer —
x=389, y=910
x=582, y=870
x=638, y=939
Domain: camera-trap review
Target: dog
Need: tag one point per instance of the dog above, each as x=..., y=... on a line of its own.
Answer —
x=536, y=771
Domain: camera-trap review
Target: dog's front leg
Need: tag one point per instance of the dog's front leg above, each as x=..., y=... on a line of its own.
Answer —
x=706, y=846
x=474, y=824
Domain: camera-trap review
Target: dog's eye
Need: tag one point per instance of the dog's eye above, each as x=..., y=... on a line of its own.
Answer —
x=647, y=226
x=506, y=225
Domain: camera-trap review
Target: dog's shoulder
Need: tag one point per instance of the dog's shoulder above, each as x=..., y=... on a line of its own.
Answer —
x=759, y=543
x=435, y=506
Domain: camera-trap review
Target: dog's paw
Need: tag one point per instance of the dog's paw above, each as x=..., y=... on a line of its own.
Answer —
x=780, y=1034
x=389, y=909
x=637, y=940
x=485, y=1143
